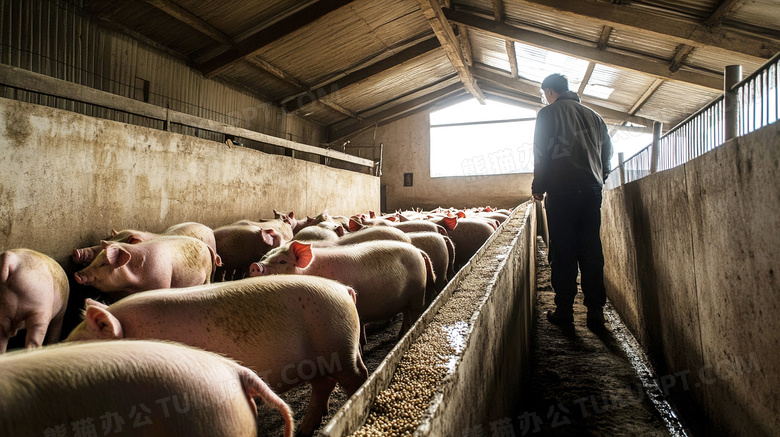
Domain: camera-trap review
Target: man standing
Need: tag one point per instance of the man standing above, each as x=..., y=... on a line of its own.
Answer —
x=572, y=151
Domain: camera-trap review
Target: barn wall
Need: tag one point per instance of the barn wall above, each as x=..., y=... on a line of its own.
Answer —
x=407, y=149
x=59, y=39
x=68, y=179
x=691, y=264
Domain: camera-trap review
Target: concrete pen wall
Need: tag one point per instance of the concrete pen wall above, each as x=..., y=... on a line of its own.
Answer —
x=692, y=266
x=68, y=179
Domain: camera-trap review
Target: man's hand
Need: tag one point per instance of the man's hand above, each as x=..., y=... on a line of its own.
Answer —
x=538, y=196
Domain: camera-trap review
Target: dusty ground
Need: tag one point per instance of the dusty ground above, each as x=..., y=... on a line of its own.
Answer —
x=381, y=338
x=582, y=381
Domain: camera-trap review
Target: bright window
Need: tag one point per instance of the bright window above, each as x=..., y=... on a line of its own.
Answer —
x=469, y=139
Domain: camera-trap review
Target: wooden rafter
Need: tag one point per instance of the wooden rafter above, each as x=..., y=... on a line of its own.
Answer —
x=336, y=134
x=586, y=78
x=441, y=27
x=725, y=8
x=606, y=32
x=292, y=80
x=679, y=57
x=512, y=54
x=646, y=96
x=292, y=103
x=283, y=27
x=498, y=10
x=463, y=34
x=583, y=51
x=678, y=30
x=191, y=20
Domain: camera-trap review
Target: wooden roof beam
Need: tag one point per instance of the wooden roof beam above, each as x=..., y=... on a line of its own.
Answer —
x=441, y=27
x=679, y=57
x=586, y=78
x=463, y=34
x=725, y=8
x=257, y=41
x=679, y=30
x=292, y=80
x=635, y=63
x=606, y=32
x=296, y=102
x=335, y=135
x=646, y=96
x=191, y=20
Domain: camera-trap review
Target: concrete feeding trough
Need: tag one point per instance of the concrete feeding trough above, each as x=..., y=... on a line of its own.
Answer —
x=462, y=364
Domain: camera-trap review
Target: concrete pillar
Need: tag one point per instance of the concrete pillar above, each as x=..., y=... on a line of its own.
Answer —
x=732, y=75
x=655, y=149
x=621, y=168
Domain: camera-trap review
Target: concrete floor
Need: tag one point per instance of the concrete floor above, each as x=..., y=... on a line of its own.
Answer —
x=582, y=383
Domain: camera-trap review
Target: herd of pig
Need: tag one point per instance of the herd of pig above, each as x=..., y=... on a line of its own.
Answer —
x=262, y=306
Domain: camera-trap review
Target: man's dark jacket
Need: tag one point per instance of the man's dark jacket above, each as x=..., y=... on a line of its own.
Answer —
x=572, y=148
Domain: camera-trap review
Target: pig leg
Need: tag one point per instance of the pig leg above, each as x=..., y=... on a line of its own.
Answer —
x=55, y=329
x=36, y=325
x=318, y=405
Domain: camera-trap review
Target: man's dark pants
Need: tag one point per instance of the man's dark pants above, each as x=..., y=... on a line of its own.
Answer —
x=574, y=224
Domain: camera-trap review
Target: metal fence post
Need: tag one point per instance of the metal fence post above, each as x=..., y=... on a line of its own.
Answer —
x=621, y=168
x=655, y=149
x=731, y=76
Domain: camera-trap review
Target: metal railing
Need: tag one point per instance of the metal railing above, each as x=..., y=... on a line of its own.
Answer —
x=758, y=97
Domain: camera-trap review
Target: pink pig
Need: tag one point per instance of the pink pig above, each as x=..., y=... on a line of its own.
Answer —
x=136, y=388
x=33, y=295
x=164, y=262
x=389, y=277
x=240, y=245
x=86, y=255
x=289, y=329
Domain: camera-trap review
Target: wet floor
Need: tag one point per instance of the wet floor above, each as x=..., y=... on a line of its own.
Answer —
x=583, y=382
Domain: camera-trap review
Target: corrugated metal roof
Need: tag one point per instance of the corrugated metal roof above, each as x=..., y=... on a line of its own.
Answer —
x=673, y=102
x=489, y=50
x=365, y=31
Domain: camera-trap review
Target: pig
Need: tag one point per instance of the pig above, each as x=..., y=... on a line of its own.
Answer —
x=295, y=224
x=441, y=251
x=122, y=269
x=272, y=325
x=407, y=226
x=138, y=388
x=374, y=233
x=316, y=233
x=240, y=245
x=468, y=235
x=284, y=229
x=86, y=255
x=33, y=295
x=389, y=277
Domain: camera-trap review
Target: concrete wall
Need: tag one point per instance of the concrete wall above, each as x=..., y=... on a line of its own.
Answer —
x=407, y=149
x=692, y=267
x=68, y=179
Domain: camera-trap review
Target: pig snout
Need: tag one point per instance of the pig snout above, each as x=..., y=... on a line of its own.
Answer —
x=84, y=256
x=82, y=278
x=257, y=269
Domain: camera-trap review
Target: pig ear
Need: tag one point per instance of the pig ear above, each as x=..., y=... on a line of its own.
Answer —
x=268, y=236
x=372, y=214
x=93, y=303
x=461, y=214
x=104, y=243
x=117, y=255
x=291, y=215
x=99, y=320
x=277, y=214
x=340, y=231
x=449, y=223
x=354, y=226
x=133, y=239
x=114, y=233
x=302, y=253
